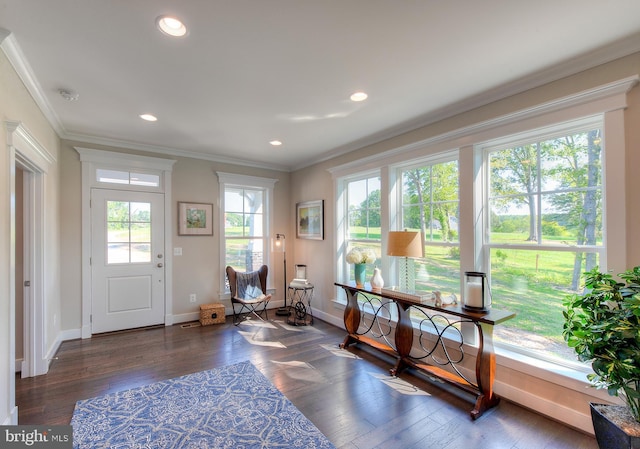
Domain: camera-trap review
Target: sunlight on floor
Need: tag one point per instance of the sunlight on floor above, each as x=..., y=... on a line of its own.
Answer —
x=302, y=371
x=253, y=338
x=335, y=350
x=399, y=385
x=257, y=323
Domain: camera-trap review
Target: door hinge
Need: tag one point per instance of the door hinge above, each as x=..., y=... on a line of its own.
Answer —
x=91, y=318
x=27, y=283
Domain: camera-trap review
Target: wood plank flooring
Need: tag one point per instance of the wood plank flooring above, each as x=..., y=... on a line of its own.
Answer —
x=347, y=394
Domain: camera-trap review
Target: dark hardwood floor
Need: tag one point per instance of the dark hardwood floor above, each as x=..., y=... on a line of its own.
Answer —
x=347, y=394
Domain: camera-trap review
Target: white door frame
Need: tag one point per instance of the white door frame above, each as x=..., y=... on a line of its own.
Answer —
x=25, y=151
x=93, y=159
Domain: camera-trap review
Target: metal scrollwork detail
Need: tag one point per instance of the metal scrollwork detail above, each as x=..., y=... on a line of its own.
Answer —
x=432, y=332
x=375, y=317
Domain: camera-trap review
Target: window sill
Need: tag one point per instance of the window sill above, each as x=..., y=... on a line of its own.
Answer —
x=558, y=374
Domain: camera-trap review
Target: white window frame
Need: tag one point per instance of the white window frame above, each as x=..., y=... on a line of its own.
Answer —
x=342, y=215
x=607, y=101
x=232, y=180
x=528, y=137
x=395, y=208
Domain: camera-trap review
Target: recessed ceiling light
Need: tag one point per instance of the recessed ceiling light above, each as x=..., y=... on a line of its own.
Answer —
x=148, y=117
x=171, y=26
x=275, y=143
x=359, y=96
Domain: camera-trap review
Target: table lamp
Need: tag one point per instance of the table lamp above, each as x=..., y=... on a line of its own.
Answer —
x=406, y=244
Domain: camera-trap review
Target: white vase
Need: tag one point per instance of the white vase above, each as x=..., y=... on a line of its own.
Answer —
x=376, y=280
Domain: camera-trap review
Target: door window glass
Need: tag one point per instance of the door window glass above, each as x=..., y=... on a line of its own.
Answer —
x=128, y=232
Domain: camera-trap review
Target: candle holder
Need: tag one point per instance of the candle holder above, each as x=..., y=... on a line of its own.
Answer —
x=477, y=296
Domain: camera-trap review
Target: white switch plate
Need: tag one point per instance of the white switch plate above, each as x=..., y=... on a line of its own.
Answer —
x=177, y=251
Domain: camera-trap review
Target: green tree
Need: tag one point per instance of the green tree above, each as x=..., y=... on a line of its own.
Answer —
x=433, y=192
x=514, y=180
x=579, y=171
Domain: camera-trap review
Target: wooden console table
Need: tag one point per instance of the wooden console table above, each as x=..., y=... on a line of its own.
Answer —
x=370, y=322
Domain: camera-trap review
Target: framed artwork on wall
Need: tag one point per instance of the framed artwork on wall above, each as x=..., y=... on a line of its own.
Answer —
x=195, y=219
x=310, y=220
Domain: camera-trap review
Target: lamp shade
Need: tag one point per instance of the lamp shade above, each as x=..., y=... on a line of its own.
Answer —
x=405, y=244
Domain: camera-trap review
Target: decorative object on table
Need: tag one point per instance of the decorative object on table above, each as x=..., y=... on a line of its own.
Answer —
x=359, y=258
x=300, y=279
x=603, y=327
x=231, y=406
x=310, y=220
x=279, y=245
x=477, y=295
x=195, y=219
x=406, y=244
x=376, y=280
x=399, y=293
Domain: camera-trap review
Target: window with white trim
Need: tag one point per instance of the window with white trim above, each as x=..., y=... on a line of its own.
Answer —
x=362, y=230
x=430, y=204
x=245, y=222
x=544, y=228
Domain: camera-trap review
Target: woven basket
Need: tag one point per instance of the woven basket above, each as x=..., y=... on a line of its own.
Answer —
x=211, y=314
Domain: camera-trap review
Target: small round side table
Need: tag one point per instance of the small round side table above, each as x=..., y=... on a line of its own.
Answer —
x=300, y=299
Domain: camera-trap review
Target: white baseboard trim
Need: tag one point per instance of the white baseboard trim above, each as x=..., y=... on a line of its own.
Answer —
x=331, y=319
x=12, y=419
x=195, y=316
x=560, y=413
x=19, y=363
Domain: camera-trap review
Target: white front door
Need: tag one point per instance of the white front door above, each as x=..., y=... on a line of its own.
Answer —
x=127, y=259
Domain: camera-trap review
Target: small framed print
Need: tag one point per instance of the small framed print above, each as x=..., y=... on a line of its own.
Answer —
x=310, y=220
x=195, y=219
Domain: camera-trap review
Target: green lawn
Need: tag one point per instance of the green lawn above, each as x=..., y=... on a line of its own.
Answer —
x=530, y=283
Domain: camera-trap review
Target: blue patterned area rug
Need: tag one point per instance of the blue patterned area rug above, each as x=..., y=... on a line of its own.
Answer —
x=230, y=407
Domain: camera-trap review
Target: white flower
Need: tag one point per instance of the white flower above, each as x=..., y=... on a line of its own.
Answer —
x=369, y=256
x=357, y=256
x=354, y=256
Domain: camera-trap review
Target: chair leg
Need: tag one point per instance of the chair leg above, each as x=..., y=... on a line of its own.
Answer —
x=242, y=314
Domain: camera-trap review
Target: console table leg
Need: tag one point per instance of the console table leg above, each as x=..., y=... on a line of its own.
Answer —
x=347, y=341
x=485, y=371
x=351, y=317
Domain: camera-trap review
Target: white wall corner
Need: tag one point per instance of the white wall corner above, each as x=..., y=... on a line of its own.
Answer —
x=12, y=419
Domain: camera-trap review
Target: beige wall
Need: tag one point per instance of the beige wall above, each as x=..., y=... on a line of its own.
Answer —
x=632, y=130
x=16, y=104
x=198, y=270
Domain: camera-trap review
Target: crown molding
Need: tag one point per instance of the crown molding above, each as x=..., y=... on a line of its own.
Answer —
x=604, y=98
x=174, y=152
x=20, y=64
x=603, y=55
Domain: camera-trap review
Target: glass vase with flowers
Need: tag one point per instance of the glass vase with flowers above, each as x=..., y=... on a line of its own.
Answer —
x=360, y=257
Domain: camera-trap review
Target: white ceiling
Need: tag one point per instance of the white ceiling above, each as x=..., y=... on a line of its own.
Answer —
x=250, y=71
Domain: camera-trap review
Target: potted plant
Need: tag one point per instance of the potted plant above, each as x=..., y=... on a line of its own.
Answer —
x=603, y=327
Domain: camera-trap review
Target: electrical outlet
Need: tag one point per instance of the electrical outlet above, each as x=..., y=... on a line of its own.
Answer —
x=192, y=297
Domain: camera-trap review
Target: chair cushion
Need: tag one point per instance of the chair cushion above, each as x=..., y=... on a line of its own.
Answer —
x=248, y=286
